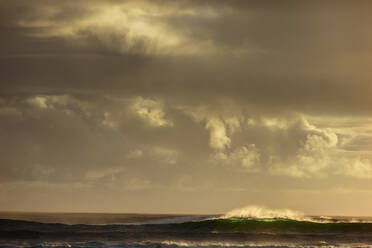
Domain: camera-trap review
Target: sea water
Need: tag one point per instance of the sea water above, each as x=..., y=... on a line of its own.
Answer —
x=248, y=227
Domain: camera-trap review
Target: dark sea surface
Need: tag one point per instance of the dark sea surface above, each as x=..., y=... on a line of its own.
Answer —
x=177, y=231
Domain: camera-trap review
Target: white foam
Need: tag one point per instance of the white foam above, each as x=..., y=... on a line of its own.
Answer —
x=260, y=212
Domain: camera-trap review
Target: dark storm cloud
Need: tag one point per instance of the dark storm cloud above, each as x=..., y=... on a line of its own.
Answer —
x=308, y=56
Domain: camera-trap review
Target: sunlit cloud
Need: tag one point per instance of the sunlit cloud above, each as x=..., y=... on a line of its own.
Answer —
x=151, y=111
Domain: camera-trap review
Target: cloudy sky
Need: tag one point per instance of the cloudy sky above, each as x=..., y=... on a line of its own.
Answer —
x=185, y=106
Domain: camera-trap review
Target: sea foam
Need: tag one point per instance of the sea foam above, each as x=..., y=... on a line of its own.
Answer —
x=260, y=212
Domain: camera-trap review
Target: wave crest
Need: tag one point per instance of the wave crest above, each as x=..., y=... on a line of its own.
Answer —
x=260, y=212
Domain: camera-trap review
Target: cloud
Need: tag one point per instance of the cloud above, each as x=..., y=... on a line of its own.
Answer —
x=110, y=122
x=205, y=96
x=356, y=167
x=151, y=111
x=38, y=101
x=110, y=173
x=126, y=27
x=135, y=153
x=139, y=184
x=244, y=157
x=217, y=127
x=312, y=156
x=218, y=138
x=165, y=155
x=220, y=123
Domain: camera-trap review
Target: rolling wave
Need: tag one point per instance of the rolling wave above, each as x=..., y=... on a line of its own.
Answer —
x=252, y=226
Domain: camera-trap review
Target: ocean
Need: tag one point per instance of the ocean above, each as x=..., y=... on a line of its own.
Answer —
x=248, y=228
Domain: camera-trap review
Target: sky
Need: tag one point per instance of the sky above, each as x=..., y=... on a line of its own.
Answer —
x=185, y=106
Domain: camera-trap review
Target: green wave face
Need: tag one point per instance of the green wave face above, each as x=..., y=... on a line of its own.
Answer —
x=276, y=226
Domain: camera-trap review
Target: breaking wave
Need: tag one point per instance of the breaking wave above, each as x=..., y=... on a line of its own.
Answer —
x=260, y=212
x=254, y=212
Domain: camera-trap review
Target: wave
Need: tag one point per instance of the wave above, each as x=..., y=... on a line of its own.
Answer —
x=260, y=212
x=263, y=213
x=217, y=232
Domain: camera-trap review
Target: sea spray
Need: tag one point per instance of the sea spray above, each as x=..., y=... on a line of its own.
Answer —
x=265, y=213
x=260, y=212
